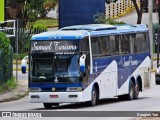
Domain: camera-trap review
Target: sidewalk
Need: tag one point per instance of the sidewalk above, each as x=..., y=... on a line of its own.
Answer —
x=20, y=91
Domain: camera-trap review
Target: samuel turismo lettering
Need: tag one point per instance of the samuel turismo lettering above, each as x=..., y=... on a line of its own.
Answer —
x=64, y=47
x=41, y=47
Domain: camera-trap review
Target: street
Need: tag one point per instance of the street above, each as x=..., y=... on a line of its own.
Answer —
x=148, y=99
x=132, y=18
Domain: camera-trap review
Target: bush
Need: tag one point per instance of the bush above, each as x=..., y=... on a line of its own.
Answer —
x=4, y=44
x=39, y=28
x=10, y=84
x=100, y=18
x=20, y=56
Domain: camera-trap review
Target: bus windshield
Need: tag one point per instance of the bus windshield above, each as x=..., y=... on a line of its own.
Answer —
x=55, y=69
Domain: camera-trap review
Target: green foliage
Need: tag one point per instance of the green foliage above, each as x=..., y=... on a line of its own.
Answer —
x=20, y=56
x=47, y=22
x=4, y=44
x=100, y=18
x=10, y=84
x=40, y=27
x=29, y=10
x=113, y=22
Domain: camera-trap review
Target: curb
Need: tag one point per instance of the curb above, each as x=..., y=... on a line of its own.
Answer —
x=17, y=97
x=19, y=69
x=19, y=92
x=155, y=58
x=153, y=70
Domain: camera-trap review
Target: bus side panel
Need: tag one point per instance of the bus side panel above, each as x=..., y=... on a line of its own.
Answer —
x=107, y=81
x=145, y=73
x=142, y=70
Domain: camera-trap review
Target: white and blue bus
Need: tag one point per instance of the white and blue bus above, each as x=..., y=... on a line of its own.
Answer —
x=86, y=63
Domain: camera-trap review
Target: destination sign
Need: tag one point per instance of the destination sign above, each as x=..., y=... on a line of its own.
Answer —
x=54, y=46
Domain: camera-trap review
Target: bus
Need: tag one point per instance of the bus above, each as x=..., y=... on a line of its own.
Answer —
x=86, y=63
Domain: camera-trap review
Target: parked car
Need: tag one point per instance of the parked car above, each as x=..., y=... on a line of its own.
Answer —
x=155, y=4
x=157, y=76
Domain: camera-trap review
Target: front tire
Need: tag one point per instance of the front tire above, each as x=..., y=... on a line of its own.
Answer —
x=94, y=97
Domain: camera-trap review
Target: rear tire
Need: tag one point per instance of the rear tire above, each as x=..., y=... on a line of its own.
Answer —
x=136, y=93
x=131, y=93
x=50, y=105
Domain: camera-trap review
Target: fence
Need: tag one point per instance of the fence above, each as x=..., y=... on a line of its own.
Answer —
x=6, y=72
x=120, y=8
x=24, y=36
x=1, y=67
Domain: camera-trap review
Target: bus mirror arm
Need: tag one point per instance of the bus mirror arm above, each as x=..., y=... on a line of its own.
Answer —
x=82, y=63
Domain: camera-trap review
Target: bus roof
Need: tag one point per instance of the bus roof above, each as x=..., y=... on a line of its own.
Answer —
x=81, y=31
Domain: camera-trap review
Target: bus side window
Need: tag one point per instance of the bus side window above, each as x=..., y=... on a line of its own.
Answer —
x=125, y=46
x=113, y=45
x=105, y=45
x=85, y=44
x=142, y=42
x=134, y=45
x=145, y=42
x=95, y=46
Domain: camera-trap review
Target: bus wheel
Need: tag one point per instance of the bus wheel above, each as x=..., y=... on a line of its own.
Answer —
x=131, y=93
x=94, y=96
x=136, y=93
x=50, y=105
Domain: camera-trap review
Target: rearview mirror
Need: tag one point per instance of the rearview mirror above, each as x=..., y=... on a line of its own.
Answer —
x=82, y=63
x=24, y=64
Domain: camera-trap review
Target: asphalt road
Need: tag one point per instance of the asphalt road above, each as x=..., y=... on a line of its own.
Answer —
x=148, y=101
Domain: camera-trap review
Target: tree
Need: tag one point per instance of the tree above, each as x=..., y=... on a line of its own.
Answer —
x=139, y=9
x=158, y=10
x=29, y=10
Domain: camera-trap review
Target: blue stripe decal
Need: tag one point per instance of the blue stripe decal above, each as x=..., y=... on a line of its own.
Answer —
x=57, y=38
x=55, y=85
x=127, y=64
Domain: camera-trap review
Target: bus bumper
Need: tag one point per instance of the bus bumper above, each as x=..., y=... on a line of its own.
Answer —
x=55, y=97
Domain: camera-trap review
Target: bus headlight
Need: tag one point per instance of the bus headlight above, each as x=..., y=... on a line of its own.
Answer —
x=35, y=89
x=74, y=89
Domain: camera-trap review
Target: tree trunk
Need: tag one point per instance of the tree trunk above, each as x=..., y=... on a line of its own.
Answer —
x=139, y=10
x=139, y=18
x=159, y=17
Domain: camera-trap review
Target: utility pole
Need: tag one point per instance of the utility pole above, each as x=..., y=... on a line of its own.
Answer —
x=150, y=26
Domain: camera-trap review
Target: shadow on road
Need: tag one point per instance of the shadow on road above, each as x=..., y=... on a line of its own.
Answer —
x=86, y=104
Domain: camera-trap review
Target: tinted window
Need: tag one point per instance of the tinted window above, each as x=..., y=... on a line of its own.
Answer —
x=114, y=42
x=142, y=42
x=95, y=46
x=85, y=44
x=105, y=45
x=125, y=45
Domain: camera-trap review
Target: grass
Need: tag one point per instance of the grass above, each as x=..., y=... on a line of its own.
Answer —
x=49, y=22
x=9, y=85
